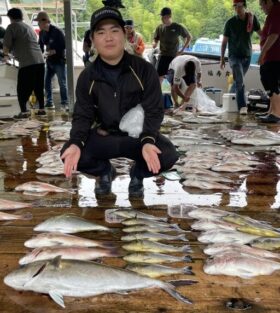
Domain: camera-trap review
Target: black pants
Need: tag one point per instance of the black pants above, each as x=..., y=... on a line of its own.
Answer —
x=31, y=78
x=98, y=150
x=270, y=77
x=163, y=64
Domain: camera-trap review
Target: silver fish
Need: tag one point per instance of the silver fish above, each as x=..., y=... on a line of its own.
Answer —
x=60, y=239
x=9, y=217
x=201, y=184
x=74, y=278
x=218, y=248
x=152, y=229
x=69, y=224
x=211, y=225
x=34, y=187
x=73, y=253
x=128, y=213
x=143, y=221
x=13, y=205
x=242, y=265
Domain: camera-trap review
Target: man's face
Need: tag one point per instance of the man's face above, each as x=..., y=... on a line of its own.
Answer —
x=108, y=38
x=43, y=24
x=239, y=8
x=165, y=19
x=264, y=6
x=128, y=29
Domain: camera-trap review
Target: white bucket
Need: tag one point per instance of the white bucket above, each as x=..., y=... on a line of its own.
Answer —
x=229, y=102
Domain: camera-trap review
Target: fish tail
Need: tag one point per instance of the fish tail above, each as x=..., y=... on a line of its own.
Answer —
x=182, y=237
x=186, y=248
x=175, y=294
x=187, y=258
x=187, y=270
x=27, y=216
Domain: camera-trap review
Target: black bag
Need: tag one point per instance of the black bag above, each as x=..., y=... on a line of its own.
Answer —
x=167, y=101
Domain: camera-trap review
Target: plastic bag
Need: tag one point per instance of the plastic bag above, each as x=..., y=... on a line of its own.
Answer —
x=132, y=121
x=203, y=103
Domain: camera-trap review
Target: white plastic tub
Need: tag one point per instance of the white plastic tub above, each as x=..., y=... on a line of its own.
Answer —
x=229, y=102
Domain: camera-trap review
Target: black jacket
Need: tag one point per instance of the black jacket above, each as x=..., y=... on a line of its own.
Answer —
x=99, y=102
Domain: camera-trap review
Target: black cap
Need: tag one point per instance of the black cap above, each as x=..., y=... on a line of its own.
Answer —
x=105, y=13
x=113, y=3
x=129, y=23
x=165, y=11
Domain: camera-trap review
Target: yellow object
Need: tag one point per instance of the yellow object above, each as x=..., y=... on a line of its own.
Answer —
x=229, y=81
x=32, y=99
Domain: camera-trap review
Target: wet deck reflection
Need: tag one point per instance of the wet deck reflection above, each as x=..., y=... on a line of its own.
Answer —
x=256, y=194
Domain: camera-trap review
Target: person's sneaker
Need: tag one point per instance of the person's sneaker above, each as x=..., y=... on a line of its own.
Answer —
x=104, y=184
x=22, y=115
x=243, y=111
x=49, y=106
x=65, y=107
x=136, y=188
x=41, y=112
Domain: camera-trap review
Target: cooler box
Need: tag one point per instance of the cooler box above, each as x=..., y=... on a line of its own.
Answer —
x=215, y=94
x=229, y=102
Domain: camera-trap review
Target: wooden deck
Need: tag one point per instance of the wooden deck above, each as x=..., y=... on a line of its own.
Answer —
x=257, y=198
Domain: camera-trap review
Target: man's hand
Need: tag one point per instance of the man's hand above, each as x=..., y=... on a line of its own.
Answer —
x=261, y=58
x=71, y=157
x=150, y=154
x=222, y=63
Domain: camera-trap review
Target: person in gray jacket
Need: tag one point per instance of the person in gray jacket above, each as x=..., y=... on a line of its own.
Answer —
x=107, y=89
x=21, y=39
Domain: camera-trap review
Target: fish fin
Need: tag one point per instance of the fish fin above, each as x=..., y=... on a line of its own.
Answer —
x=182, y=237
x=175, y=294
x=57, y=297
x=188, y=270
x=188, y=258
x=36, y=194
x=186, y=248
x=56, y=261
x=27, y=216
x=182, y=282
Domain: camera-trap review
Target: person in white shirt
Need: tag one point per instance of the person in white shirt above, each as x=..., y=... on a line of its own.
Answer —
x=184, y=70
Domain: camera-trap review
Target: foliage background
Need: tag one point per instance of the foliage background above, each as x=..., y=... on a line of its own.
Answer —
x=203, y=18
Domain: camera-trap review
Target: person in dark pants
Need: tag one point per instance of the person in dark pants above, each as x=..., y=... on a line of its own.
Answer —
x=21, y=39
x=107, y=89
x=270, y=59
x=52, y=39
x=168, y=34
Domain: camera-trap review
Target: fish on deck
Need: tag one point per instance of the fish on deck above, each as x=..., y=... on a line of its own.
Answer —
x=36, y=188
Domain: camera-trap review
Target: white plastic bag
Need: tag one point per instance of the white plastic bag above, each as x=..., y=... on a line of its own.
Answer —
x=132, y=121
x=203, y=103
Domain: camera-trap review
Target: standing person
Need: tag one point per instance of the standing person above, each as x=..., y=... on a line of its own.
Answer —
x=168, y=34
x=184, y=68
x=237, y=35
x=87, y=48
x=2, y=34
x=112, y=85
x=116, y=4
x=53, y=39
x=21, y=39
x=270, y=58
x=135, y=41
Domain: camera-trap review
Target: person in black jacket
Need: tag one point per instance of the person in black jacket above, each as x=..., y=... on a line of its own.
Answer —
x=112, y=85
x=52, y=40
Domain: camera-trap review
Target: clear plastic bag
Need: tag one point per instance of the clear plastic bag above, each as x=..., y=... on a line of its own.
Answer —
x=132, y=121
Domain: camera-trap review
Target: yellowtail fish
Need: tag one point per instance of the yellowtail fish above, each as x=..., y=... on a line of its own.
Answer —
x=152, y=229
x=149, y=246
x=155, y=258
x=152, y=223
x=266, y=243
x=153, y=237
x=262, y=232
x=155, y=271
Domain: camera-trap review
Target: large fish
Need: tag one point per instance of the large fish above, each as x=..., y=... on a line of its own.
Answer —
x=265, y=243
x=201, y=184
x=205, y=224
x=68, y=223
x=155, y=271
x=129, y=213
x=60, y=239
x=152, y=229
x=13, y=205
x=74, y=278
x=73, y=253
x=40, y=189
x=239, y=264
x=143, y=221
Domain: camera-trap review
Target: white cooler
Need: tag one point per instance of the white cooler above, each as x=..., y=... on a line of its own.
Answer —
x=229, y=102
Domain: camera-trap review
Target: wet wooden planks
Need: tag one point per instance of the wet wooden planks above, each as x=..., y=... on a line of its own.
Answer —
x=210, y=294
